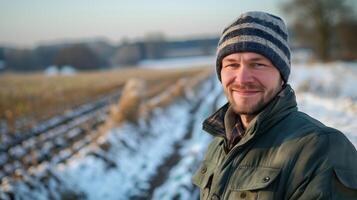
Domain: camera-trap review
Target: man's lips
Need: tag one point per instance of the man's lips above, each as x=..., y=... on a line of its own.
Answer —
x=246, y=92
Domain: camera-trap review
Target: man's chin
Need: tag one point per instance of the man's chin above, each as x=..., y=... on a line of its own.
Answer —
x=251, y=110
x=246, y=112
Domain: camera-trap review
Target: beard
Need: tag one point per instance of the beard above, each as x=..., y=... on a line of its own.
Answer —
x=252, y=105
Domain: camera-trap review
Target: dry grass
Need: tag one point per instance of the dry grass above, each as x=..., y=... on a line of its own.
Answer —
x=35, y=97
x=183, y=87
x=128, y=107
x=138, y=101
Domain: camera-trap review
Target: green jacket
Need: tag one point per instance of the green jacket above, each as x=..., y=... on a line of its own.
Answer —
x=284, y=154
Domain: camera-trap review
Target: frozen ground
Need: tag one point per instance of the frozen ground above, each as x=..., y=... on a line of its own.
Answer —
x=134, y=165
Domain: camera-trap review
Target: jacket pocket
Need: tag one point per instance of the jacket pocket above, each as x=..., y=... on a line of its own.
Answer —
x=253, y=183
x=203, y=178
x=345, y=184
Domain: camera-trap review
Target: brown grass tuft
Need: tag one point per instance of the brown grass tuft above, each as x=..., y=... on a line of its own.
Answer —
x=130, y=101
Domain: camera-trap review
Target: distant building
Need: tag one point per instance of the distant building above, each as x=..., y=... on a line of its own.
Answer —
x=51, y=70
x=54, y=70
x=68, y=70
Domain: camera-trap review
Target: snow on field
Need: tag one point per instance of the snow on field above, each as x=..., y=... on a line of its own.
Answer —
x=192, y=152
x=127, y=169
x=137, y=154
x=335, y=80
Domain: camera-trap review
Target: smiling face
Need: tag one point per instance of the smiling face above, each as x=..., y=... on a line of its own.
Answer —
x=249, y=81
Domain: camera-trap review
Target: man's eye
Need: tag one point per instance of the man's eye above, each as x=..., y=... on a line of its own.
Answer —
x=232, y=65
x=259, y=65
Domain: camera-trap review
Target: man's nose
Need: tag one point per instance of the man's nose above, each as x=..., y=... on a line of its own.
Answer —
x=243, y=74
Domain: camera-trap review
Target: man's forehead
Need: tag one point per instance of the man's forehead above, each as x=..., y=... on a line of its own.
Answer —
x=245, y=55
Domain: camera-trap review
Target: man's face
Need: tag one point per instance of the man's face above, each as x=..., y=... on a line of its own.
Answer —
x=249, y=81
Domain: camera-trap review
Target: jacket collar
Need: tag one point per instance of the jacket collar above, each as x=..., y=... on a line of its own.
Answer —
x=280, y=106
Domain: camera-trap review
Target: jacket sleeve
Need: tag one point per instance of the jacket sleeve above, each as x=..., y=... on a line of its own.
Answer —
x=326, y=169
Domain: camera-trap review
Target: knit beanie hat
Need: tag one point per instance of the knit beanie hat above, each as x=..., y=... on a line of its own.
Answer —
x=257, y=32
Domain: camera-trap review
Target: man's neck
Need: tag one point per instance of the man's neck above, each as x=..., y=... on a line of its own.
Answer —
x=246, y=119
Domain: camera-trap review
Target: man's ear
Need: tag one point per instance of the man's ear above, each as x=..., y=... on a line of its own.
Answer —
x=282, y=81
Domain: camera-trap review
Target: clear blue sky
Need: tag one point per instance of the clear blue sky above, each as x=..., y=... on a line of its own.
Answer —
x=27, y=23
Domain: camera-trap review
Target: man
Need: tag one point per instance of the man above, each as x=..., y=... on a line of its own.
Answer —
x=263, y=147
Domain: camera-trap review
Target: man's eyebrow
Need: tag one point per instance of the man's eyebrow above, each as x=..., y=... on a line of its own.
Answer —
x=230, y=60
x=236, y=60
x=256, y=59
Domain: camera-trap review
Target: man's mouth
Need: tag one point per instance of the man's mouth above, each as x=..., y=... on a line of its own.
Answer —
x=246, y=92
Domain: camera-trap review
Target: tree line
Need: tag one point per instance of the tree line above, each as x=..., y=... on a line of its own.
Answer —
x=100, y=54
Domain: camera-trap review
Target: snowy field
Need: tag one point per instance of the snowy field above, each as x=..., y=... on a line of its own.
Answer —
x=156, y=158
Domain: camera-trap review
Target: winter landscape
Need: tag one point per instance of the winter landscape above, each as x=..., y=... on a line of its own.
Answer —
x=155, y=158
x=106, y=99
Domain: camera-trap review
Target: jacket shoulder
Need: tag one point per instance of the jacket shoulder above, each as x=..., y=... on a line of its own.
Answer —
x=304, y=119
x=342, y=153
x=338, y=149
x=302, y=123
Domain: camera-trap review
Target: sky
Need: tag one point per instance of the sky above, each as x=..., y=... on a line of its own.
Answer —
x=28, y=23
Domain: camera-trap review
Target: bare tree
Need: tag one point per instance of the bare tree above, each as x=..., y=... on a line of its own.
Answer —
x=127, y=54
x=347, y=48
x=78, y=56
x=315, y=23
x=154, y=45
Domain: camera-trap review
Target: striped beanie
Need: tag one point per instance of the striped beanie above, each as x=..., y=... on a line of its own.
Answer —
x=257, y=32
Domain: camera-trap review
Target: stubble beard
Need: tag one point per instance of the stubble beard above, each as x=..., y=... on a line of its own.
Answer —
x=256, y=108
